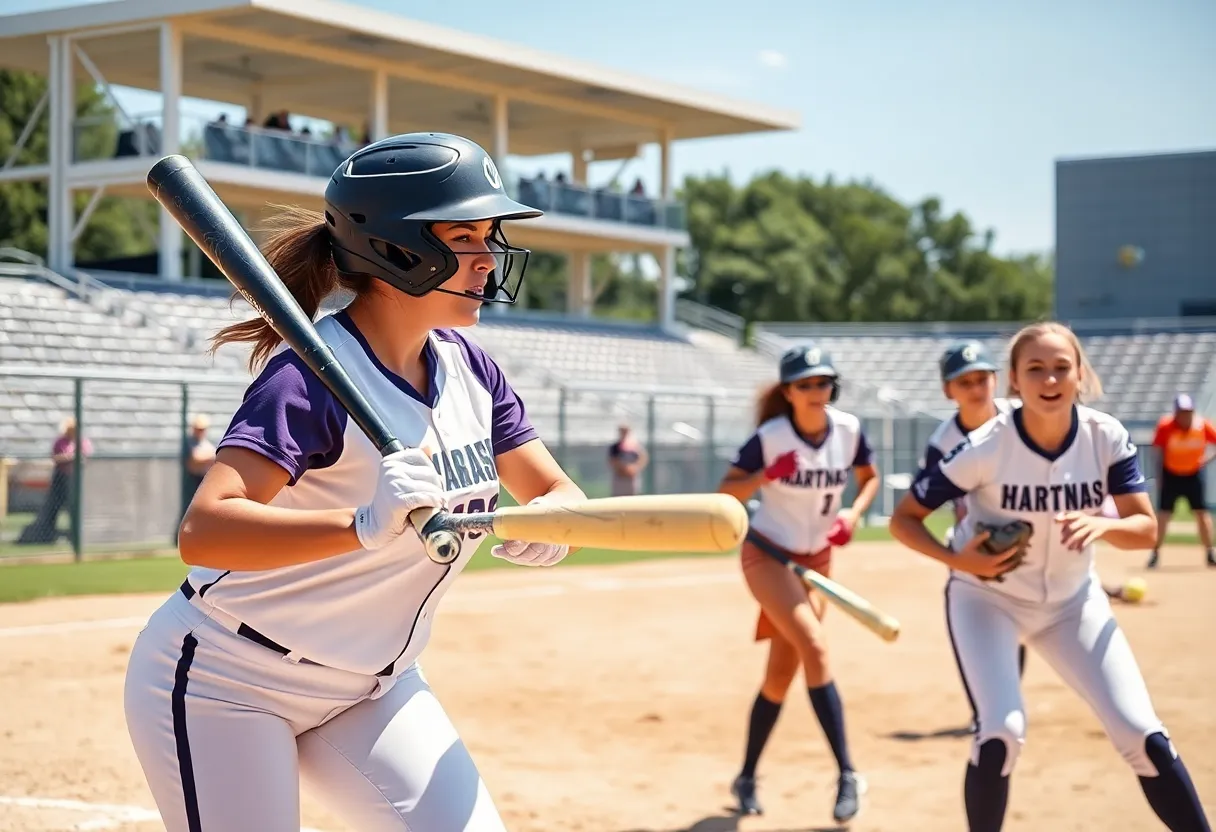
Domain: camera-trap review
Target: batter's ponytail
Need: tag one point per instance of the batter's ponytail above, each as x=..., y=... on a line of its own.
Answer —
x=298, y=248
x=1090, y=386
x=773, y=403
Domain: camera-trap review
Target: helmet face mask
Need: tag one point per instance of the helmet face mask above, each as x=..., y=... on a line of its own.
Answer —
x=381, y=206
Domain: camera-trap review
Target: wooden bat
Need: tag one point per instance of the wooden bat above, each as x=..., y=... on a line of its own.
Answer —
x=181, y=189
x=660, y=523
x=880, y=623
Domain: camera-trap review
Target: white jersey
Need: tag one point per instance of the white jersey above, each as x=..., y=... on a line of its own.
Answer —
x=1004, y=476
x=797, y=512
x=949, y=435
x=366, y=611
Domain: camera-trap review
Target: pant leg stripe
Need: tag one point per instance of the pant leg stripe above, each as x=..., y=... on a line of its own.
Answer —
x=184, y=763
x=975, y=714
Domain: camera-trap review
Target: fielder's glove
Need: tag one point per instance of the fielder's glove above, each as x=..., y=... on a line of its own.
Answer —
x=1015, y=533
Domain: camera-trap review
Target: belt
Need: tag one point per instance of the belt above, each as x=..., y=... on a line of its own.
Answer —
x=245, y=631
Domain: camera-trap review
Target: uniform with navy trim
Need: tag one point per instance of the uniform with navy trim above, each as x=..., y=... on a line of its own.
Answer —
x=1054, y=600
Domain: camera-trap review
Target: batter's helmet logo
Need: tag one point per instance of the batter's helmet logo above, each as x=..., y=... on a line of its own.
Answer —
x=970, y=353
x=812, y=357
x=491, y=172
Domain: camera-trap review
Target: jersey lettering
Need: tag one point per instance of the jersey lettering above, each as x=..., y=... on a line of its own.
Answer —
x=821, y=478
x=1052, y=498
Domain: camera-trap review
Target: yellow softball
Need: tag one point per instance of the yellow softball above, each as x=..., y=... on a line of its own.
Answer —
x=1134, y=589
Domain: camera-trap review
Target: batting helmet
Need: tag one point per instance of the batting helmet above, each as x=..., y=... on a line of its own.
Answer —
x=381, y=202
x=965, y=357
x=807, y=360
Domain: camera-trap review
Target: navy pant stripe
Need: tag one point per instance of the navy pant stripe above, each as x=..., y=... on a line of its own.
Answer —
x=184, y=763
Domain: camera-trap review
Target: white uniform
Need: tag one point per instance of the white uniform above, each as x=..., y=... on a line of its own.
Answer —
x=243, y=681
x=1054, y=601
x=797, y=512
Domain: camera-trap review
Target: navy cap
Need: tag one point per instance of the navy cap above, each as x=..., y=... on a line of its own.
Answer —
x=965, y=357
x=805, y=361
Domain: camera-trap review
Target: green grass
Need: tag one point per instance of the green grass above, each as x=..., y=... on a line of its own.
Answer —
x=24, y=582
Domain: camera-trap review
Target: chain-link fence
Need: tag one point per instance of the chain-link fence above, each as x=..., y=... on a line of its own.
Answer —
x=129, y=482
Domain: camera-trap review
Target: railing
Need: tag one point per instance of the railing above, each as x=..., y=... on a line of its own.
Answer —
x=80, y=284
x=710, y=318
x=598, y=204
x=964, y=329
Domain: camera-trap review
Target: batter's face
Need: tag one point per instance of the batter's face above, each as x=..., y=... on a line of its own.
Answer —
x=1047, y=375
x=812, y=393
x=972, y=390
x=475, y=253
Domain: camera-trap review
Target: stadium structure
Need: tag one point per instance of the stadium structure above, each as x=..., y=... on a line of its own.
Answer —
x=125, y=354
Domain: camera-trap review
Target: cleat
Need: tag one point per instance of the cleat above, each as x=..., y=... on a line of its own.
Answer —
x=849, y=789
x=744, y=790
x=1152, y=560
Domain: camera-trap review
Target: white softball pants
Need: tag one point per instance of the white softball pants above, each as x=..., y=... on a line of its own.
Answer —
x=225, y=729
x=1082, y=642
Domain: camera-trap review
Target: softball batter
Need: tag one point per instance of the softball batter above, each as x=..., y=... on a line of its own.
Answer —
x=799, y=461
x=291, y=648
x=1051, y=462
x=968, y=375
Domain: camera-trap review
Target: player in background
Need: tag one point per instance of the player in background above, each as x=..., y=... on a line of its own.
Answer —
x=968, y=374
x=1050, y=462
x=1182, y=440
x=799, y=461
x=291, y=650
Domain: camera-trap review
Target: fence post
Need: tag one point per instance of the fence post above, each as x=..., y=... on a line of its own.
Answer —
x=711, y=456
x=182, y=472
x=650, y=443
x=78, y=475
x=561, y=426
x=888, y=465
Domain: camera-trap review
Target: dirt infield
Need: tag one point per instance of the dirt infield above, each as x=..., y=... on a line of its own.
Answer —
x=614, y=700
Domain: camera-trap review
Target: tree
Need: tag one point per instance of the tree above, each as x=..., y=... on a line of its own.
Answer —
x=113, y=230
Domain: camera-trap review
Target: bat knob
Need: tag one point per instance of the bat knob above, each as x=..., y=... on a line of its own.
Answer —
x=442, y=547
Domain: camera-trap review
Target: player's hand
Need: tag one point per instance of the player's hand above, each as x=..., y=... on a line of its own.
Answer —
x=842, y=528
x=971, y=558
x=407, y=481
x=1079, y=529
x=523, y=553
x=783, y=466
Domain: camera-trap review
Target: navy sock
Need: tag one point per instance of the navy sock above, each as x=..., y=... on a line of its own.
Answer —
x=1021, y=660
x=826, y=702
x=763, y=718
x=1171, y=793
x=986, y=790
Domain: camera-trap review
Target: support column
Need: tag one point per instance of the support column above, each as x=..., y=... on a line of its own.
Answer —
x=170, y=242
x=578, y=290
x=667, y=287
x=500, y=124
x=379, y=120
x=60, y=211
x=665, y=184
x=578, y=167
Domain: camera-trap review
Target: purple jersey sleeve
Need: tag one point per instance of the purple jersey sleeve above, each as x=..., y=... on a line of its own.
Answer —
x=1125, y=477
x=511, y=425
x=750, y=457
x=289, y=417
x=865, y=454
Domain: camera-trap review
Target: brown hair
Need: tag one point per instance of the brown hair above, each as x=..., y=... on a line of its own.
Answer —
x=1090, y=387
x=298, y=248
x=772, y=403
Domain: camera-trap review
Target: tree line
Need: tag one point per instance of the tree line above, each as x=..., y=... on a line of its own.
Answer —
x=779, y=248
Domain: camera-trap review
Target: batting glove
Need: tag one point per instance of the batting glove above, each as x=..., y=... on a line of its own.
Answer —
x=783, y=466
x=523, y=553
x=407, y=481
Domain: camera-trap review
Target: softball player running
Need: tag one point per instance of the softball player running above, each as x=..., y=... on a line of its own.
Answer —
x=799, y=461
x=291, y=648
x=969, y=380
x=1050, y=462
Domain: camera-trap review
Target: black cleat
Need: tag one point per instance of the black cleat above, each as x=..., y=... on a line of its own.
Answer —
x=1211, y=557
x=848, y=796
x=744, y=789
x=1152, y=560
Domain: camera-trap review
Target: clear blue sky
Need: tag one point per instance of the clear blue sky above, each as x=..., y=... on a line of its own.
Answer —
x=970, y=101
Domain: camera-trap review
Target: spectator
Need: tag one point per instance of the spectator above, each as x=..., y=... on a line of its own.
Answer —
x=45, y=526
x=628, y=459
x=1182, y=440
x=200, y=454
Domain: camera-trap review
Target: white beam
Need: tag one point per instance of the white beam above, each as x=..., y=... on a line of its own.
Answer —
x=26, y=173
x=667, y=288
x=89, y=208
x=665, y=183
x=578, y=171
x=30, y=124
x=62, y=130
x=578, y=291
x=379, y=120
x=170, y=243
x=411, y=72
x=501, y=126
x=92, y=69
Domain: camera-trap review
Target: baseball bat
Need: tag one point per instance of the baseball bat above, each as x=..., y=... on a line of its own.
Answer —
x=880, y=623
x=179, y=187
x=661, y=523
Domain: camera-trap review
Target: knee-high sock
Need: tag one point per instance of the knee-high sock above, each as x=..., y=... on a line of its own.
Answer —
x=986, y=790
x=1171, y=794
x=826, y=702
x=759, y=727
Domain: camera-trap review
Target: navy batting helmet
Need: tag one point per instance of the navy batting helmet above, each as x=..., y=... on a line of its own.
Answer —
x=965, y=357
x=807, y=360
x=381, y=202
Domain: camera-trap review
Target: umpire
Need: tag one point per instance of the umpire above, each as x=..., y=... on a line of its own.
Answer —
x=1182, y=439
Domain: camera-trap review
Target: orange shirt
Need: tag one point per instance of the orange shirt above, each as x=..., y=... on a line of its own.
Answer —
x=1183, y=450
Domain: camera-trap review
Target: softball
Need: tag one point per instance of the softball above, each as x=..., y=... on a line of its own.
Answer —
x=1134, y=589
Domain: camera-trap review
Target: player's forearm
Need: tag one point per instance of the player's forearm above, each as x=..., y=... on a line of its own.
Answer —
x=1137, y=531
x=911, y=532
x=743, y=488
x=865, y=496
x=244, y=535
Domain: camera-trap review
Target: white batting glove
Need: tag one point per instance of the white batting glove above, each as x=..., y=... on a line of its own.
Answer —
x=523, y=553
x=407, y=481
